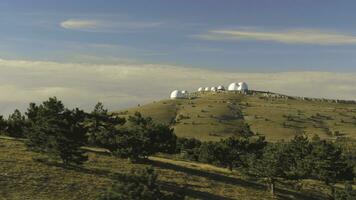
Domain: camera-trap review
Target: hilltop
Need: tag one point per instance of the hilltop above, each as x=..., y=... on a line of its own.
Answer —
x=215, y=115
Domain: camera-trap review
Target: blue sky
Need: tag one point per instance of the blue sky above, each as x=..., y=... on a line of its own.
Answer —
x=172, y=32
x=125, y=53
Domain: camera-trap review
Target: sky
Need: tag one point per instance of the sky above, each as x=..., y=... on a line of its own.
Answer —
x=129, y=52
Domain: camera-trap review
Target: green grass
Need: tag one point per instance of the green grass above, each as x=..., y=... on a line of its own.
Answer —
x=212, y=116
x=24, y=175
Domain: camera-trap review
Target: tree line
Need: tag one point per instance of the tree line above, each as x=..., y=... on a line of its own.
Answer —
x=300, y=158
x=59, y=132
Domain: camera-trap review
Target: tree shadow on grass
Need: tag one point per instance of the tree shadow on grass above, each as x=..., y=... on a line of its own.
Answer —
x=78, y=168
x=184, y=190
x=205, y=174
x=281, y=193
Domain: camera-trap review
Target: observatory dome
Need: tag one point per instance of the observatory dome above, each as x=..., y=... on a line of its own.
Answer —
x=213, y=89
x=207, y=89
x=176, y=94
x=233, y=87
x=200, y=89
x=242, y=86
x=220, y=87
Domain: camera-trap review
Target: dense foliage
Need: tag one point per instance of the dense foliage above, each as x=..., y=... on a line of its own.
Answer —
x=135, y=138
x=14, y=125
x=231, y=152
x=300, y=158
x=56, y=131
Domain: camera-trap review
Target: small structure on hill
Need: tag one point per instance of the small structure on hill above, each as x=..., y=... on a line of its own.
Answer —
x=176, y=94
x=213, y=89
x=200, y=89
x=233, y=87
x=221, y=88
x=207, y=89
x=242, y=87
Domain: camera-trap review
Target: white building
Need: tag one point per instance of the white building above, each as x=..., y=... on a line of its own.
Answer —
x=221, y=88
x=242, y=86
x=213, y=89
x=200, y=89
x=207, y=89
x=233, y=87
x=176, y=94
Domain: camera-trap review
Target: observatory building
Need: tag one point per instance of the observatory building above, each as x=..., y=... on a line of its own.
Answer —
x=200, y=89
x=221, y=88
x=242, y=86
x=213, y=89
x=207, y=89
x=176, y=94
x=233, y=87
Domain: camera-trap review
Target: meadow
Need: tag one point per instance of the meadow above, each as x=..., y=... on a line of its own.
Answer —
x=211, y=116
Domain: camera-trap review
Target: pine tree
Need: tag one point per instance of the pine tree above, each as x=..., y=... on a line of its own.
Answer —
x=102, y=127
x=141, y=138
x=3, y=125
x=270, y=166
x=298, y=163
x=57, y=131
x=327, y=163
x=16, y=124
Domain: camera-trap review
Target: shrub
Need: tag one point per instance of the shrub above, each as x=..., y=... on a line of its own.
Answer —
x=137, y=185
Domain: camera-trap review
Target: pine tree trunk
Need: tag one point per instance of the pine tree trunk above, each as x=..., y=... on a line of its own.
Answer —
x=332, y=189
x=272, y=188
x=230, y=168
x=271, y=185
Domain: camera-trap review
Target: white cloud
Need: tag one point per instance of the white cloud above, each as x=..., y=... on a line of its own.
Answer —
x=124, y=85
x=302, y=36
x=80, y=24
x=106, y=25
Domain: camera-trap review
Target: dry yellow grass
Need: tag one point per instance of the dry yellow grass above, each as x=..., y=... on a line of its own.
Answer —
x=212, y=116
x=23, y=178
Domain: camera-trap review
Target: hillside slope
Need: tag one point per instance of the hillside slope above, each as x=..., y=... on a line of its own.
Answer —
x=210, y=116
x=26, y=175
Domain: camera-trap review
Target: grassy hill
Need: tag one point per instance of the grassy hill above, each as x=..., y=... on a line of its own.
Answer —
x=210, y=116
x=27, y=175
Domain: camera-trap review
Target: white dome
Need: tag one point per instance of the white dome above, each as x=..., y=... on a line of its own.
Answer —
x=184, y=92
x=220, y=87
x=176, y=94
x=233, y=87
x=207, y=89
x=243, y=86
x=200, y=89
x=213, y=89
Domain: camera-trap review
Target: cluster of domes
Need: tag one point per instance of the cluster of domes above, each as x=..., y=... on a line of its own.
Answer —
x=242, y=87
x=182, y=94
x=213, y=89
